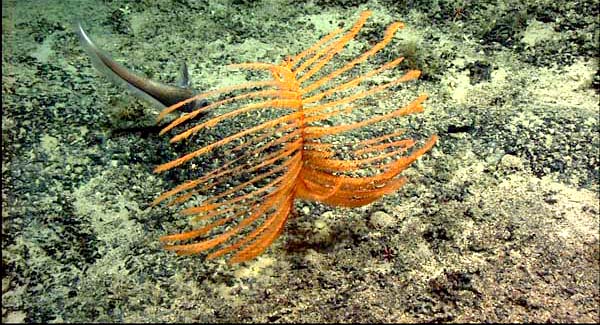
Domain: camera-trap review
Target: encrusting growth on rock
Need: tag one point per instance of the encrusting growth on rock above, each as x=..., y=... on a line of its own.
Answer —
x=293, y=152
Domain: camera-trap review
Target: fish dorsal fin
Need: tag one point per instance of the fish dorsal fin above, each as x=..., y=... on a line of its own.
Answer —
x=184, y=76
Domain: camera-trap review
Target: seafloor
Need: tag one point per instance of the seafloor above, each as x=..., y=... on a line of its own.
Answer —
x=498, y=223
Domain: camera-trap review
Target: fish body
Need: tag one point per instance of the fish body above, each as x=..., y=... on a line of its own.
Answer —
x=155, y=93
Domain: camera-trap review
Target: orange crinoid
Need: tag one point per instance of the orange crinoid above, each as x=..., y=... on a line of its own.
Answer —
x=286, y=147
